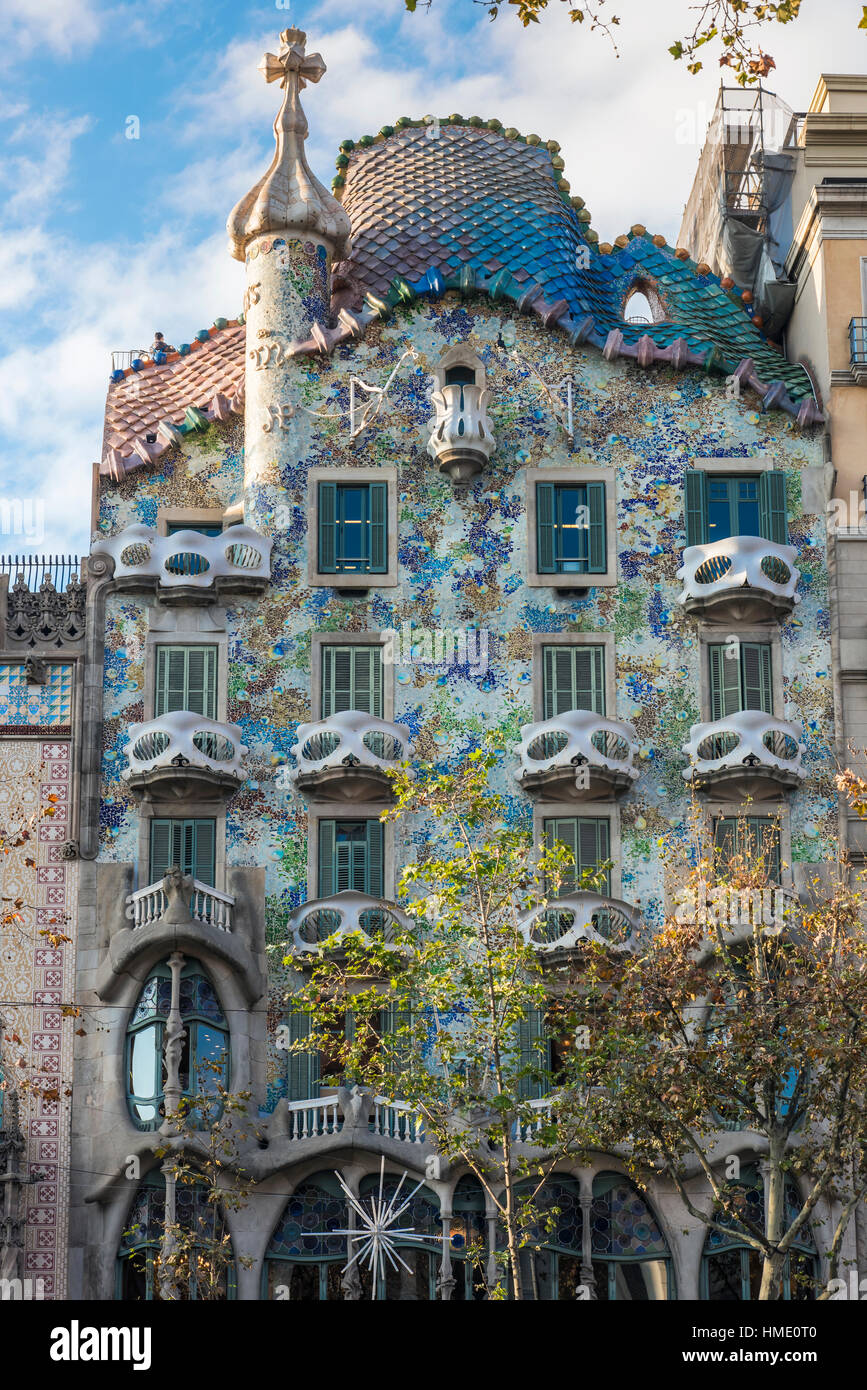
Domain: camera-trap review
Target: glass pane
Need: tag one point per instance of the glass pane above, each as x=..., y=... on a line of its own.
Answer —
x=572, y=529
x=748, y=506
x=353, y=538
x=719, y=511
x=724, y=1280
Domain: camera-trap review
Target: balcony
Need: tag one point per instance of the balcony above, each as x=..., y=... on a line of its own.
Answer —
x=322, y=1115
x=184, y=755
x=207, y=905
x=577, y=756
x=578, y=917
x=462, y=438
x=742, y=579
x=345, y=914
x=187, y=567
x=751, y=755
x=348, y=757
x=858, y=349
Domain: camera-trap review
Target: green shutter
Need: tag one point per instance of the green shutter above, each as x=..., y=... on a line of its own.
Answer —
x=573, y=678
x=202, y=864
x=695, y=487
x=186, y=679
x=327, y=528
x=395, y=1024
x=725, y=683
x=161, y=849
x=752, y=836
x=756, y=676
x=533, y=1051
x=303, y=1066
x=772, y=507
x=374, y=853
x=327, y=858
x=545, y=556
x=191, y=844
x=378, y=523
x=593, y=847
x=351, y=679
x=597, y=548
x=171, y=680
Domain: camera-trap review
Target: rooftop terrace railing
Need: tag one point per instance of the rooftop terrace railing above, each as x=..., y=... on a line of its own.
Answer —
x=34, y=569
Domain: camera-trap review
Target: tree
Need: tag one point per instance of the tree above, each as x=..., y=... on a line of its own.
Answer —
x=449, y=1017
x=736, y=25
x=746, y=1011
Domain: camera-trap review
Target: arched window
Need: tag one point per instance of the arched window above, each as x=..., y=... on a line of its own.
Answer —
x=205, y=1271
x=205, y=1058
x=631, y=1259
x=468, y=1243
x=732, y=1271
x=459, y=375
x=304, y=1261
x=643, y=304
x=419, y=1282
x=551, y=1258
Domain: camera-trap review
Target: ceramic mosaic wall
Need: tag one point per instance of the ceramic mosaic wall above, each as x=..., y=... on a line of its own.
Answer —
x=463, y=563
x=36, y=980
x=38, y=708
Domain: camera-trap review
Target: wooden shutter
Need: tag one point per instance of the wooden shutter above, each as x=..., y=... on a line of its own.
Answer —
x=203, y=856
x=161, y=849
x=327, y=528
x=374, y=855
x=597, y=545
x=764, y=841
x=695, y=489
x=327, y=858
x=351, y=679
x=725, y=683
x=756, y=676
x=772, y=507
x=573, y=678
x=377, y=497
x=201, y=693
x=304, y=1069
x=545, y=555
x=171, y=685
x=395, y=1025
x=533, y=1051
x=593, y=847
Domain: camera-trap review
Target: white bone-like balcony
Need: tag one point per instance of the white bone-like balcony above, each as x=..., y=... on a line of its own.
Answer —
x=206, y=904
x=344, y=914
x=742, y=578
x=348, y=756
x=750, y=753
x=184, y=754
x=188, y=567
x=577, y=756
x=462, y=438
x=581, y=916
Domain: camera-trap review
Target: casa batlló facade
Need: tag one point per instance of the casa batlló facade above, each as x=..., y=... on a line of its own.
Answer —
x=434, y=482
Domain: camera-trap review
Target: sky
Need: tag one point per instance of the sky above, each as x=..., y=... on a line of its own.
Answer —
x=105, y=238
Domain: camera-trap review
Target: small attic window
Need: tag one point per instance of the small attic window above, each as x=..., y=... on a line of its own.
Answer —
x=643, y=304
x=460, y=375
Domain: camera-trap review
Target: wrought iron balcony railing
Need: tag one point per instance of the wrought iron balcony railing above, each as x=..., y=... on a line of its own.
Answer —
x=188, y=564
x=581, y=916
x=347, y=757
x=750, y=746
x=577, y=755
x=462, y=437
x=742, y=576
x=185, y=748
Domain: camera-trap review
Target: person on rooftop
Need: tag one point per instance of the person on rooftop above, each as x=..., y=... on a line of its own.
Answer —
x=159, y=344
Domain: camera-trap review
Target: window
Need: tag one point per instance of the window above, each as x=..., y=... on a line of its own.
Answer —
x=753, y=839
x=204, y=1059
x=140, y=1243
x=631, y=1259
x=186, y=679
x=718, y=507
x=570, y=528
x=741, y=681
x=732, y=1271
x=459, y=375
x=306, y=1069
x=303, y=1256
x=353, y=528
x=588, y=838
x=203, y=529
x=351, y=679
x=191, y=844
x=551, y=1257
x=534, y=1056
x=351, y=856
x=417, y=1284
x=468, y=1240
x=572, y=678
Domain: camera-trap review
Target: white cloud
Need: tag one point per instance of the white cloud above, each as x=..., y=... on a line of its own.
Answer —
x=61, y=25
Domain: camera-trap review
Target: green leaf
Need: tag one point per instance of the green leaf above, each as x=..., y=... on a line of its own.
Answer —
x=862, y=24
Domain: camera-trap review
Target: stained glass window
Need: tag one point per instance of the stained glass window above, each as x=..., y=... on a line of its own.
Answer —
x=732, y=1271
x=303, y=1260
x=631, y=1259
x=137, y=1276
x=418, y=1283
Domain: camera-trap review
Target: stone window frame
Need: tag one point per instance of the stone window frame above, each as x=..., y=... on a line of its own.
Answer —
x=595, y=810
x=193, y=808
x=573, y=475
x=348, y=639
x=350, y=475
x=715, y=635
x=460, y=355
x=606, y=640
x=189, y=516
x=339, y=810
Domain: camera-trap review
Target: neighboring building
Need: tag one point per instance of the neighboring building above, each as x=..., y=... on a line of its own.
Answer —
x=42, y=657
x=265, y=520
